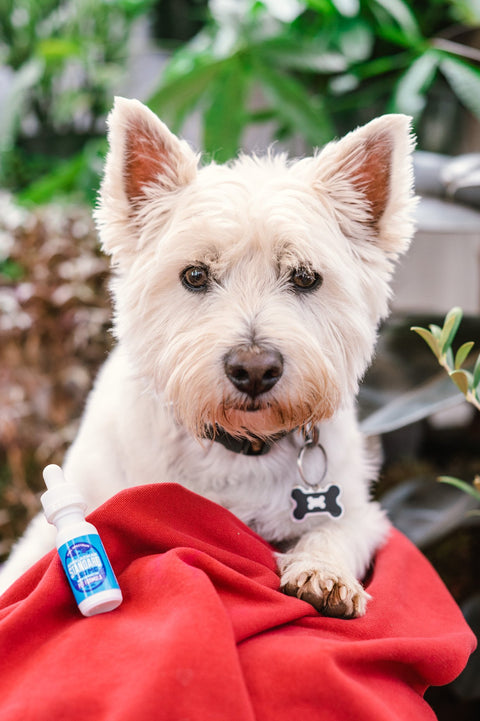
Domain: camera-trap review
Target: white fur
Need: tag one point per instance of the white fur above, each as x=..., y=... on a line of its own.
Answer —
x=250, y=223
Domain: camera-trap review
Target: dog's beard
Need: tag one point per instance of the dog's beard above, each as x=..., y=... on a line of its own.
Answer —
x=263, y=418
x=264, y=423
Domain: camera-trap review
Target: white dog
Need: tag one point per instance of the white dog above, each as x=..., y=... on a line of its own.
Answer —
x=247, y=300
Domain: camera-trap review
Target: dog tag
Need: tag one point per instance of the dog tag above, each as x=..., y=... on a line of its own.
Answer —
x=309, y=502
x=311, y=498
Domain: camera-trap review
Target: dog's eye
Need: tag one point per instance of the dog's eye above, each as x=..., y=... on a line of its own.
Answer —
x=195, y=277
x=304, y=279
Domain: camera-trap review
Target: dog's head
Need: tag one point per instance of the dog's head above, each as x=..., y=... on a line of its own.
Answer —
x=250, y=294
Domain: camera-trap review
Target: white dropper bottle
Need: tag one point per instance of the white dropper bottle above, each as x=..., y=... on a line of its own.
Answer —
x=79, y=546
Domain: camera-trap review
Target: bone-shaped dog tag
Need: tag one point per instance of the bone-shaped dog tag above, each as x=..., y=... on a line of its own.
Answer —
x=309, y=502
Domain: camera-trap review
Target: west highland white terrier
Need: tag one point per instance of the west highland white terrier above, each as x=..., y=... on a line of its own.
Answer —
x=247, y=299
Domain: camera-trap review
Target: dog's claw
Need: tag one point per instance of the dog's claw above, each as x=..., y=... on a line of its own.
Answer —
x=334, y=597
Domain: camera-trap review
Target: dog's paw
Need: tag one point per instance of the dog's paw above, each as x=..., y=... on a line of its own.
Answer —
x=332, y=593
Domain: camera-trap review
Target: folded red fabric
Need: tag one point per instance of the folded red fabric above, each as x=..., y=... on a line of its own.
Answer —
x=204, y=634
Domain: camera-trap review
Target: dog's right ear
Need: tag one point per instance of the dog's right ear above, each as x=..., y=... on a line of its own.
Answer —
x=145, y=163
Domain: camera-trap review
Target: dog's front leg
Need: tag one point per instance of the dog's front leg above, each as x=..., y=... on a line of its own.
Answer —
x=322, y=579
x=325, y=566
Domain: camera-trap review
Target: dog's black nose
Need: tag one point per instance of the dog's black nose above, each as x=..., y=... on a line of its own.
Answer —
x=253, y=371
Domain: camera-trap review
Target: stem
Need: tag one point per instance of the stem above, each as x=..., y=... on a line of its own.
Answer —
x=470, y=396
x=463, y=51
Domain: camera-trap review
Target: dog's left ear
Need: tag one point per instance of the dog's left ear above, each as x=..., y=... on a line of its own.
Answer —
x=369, y=177
x=145, y=164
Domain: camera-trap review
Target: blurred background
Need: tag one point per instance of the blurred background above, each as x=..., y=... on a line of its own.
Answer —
x=230, y=75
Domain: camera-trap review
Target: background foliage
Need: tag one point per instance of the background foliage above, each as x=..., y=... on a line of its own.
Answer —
x=54, y=320
x=61, y=61
x=323, y=66
x=308, y=69
x=313, y=68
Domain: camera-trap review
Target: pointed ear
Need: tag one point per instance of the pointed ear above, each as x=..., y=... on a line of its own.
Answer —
x=369, y=176
x=145, y=163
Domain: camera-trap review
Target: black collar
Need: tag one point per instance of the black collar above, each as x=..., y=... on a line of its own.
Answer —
x=244, y=446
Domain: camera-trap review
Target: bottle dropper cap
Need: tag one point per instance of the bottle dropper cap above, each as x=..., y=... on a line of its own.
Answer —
x=60, y=493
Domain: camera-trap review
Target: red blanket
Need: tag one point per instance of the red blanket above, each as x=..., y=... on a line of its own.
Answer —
x=204, y=634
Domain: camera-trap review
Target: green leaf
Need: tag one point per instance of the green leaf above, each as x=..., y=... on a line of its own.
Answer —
x=11, y=270
x=476, y=373
x=356, y=40
x=380, y=66
x=226, y=116
x=309, y=55
x=436, y=330
x=467, y=11
x=58, y=49
x=462, y=354
x=460, y=378
x=196, y=54
x=178, y=96
x=294, y=106
x=286, y=12
x=449, y=358
x=435, y=395
x=62, y=179
x=429, y=338
x=462, y=485
x=403, y=15
x=465, y=82
x=450, y=327
x=13, y=105
x=348, y=8
x=410, y=94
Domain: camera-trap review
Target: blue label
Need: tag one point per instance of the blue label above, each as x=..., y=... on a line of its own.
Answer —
x=87, y=567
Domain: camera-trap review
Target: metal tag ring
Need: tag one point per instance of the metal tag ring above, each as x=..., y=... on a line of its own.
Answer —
x=311, y=444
